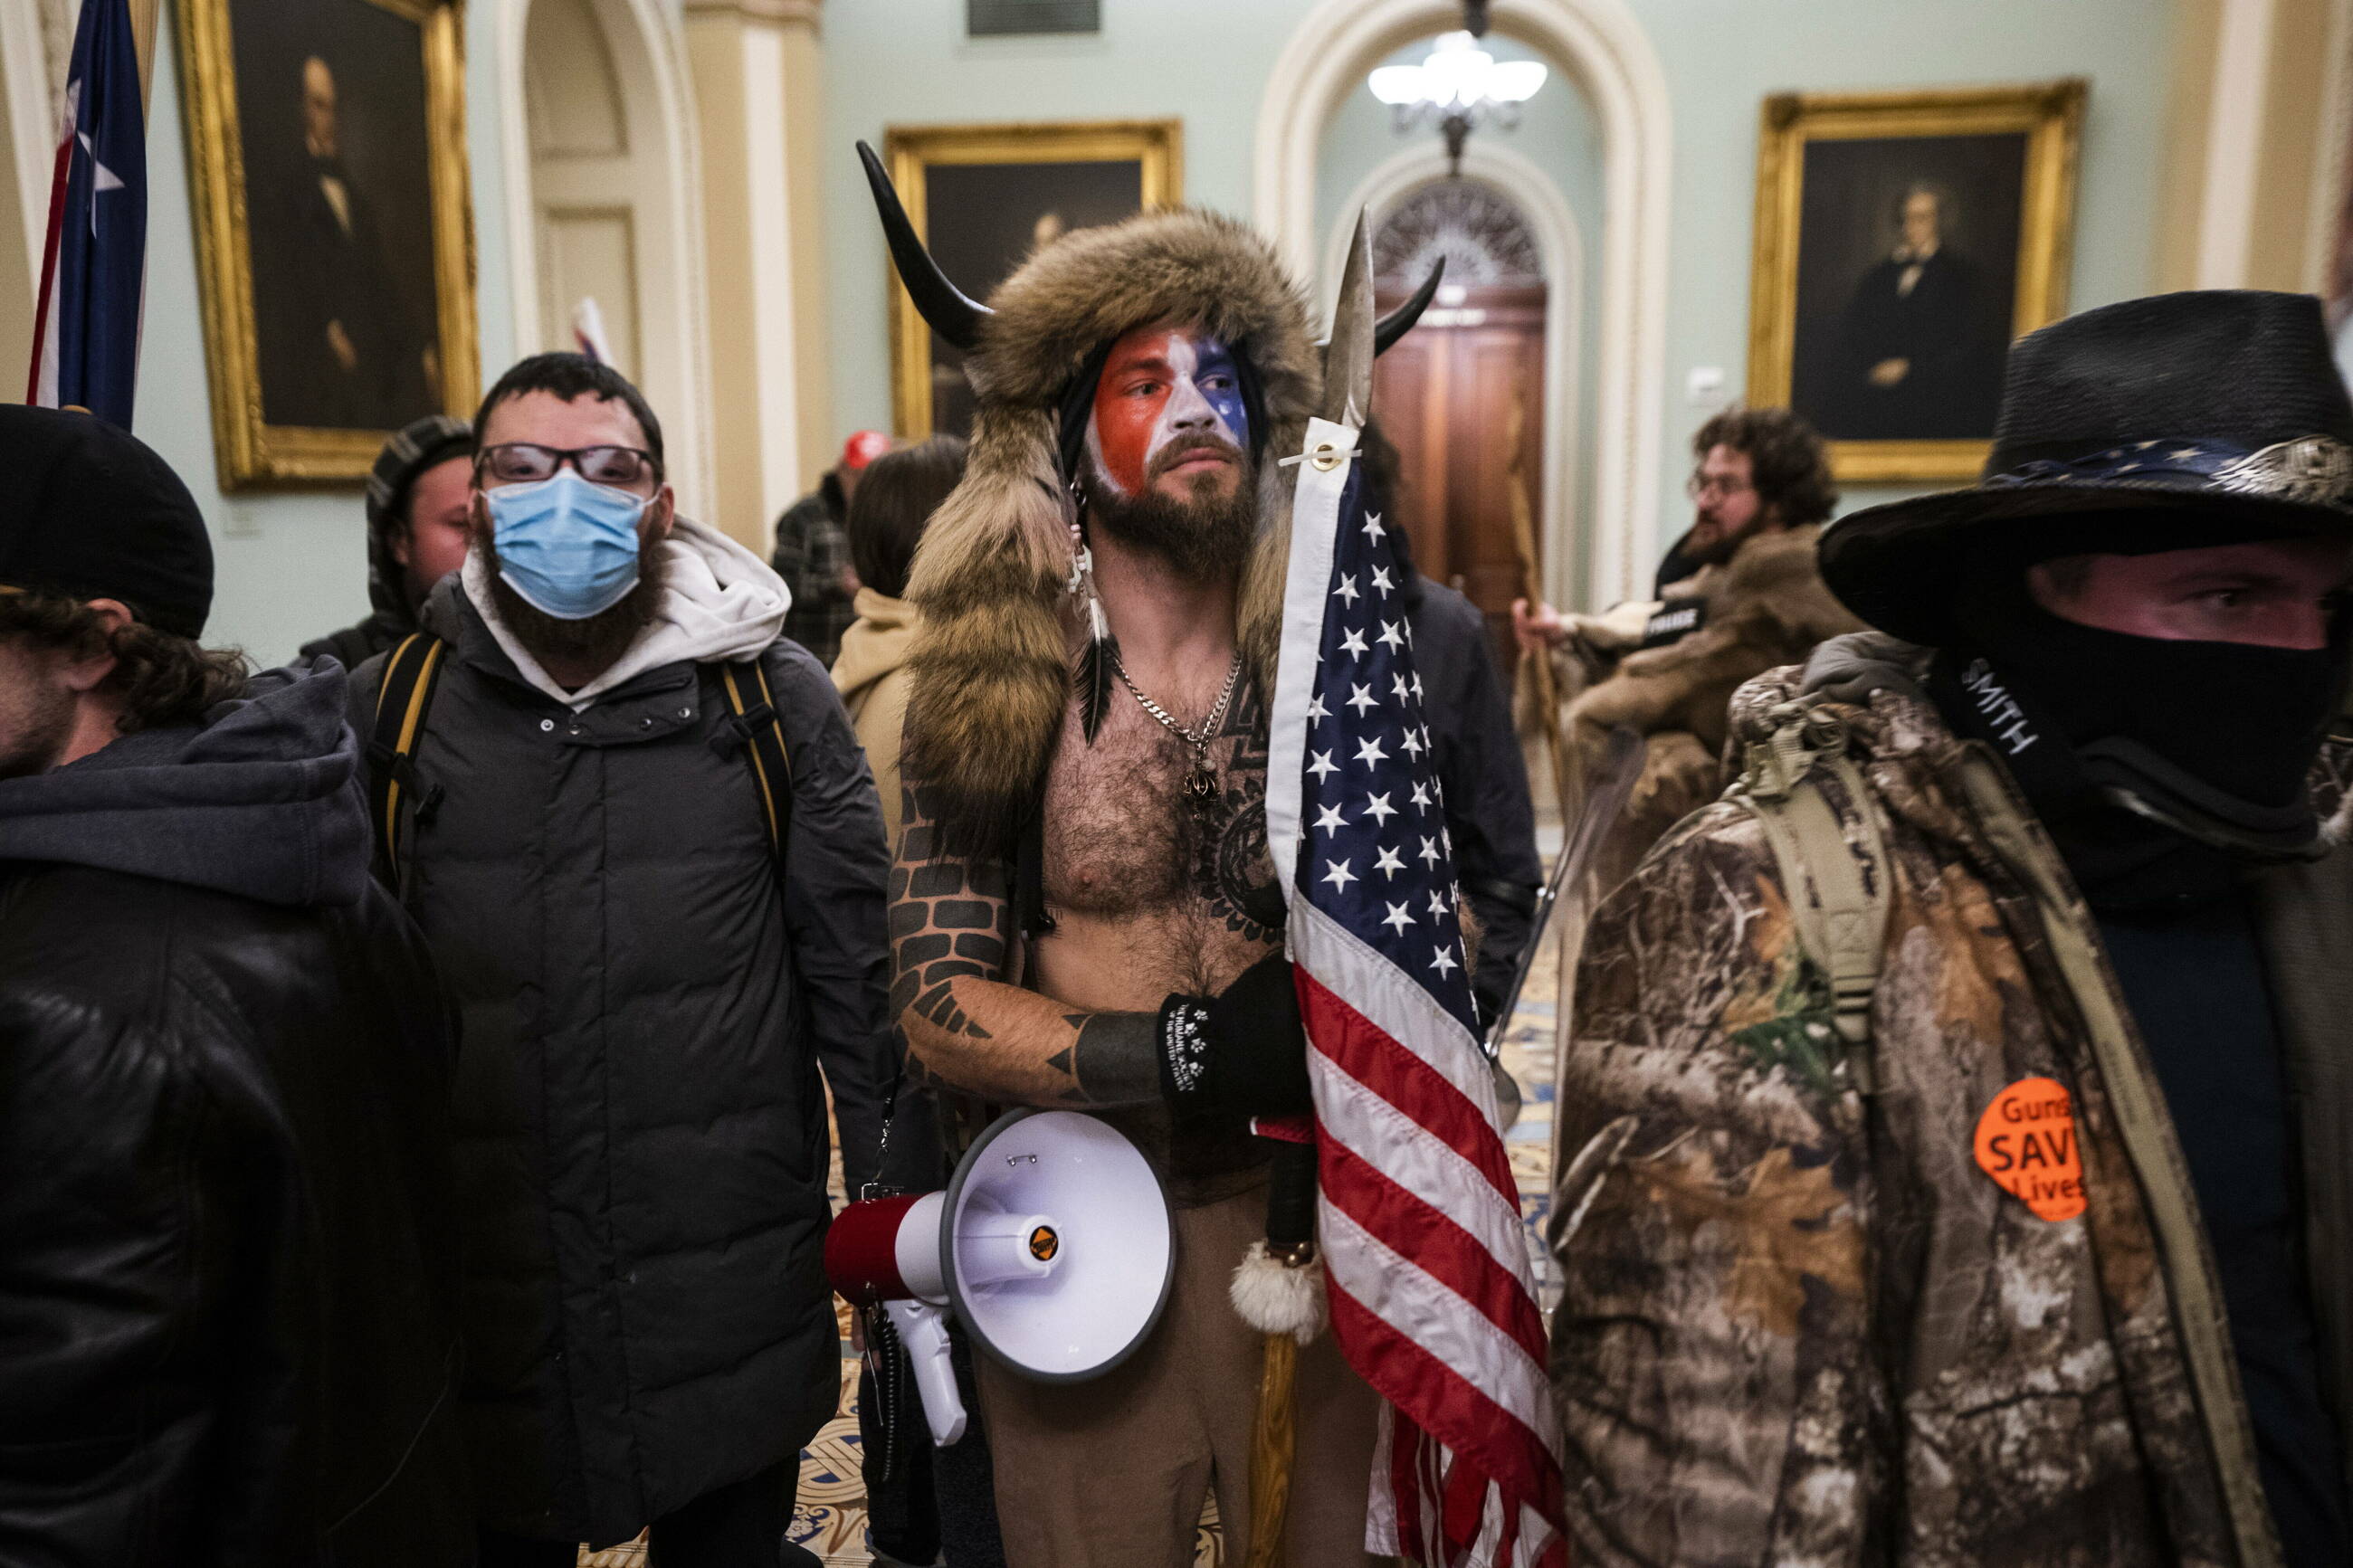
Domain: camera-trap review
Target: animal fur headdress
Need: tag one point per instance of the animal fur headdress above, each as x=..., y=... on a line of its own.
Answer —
x=991, y=667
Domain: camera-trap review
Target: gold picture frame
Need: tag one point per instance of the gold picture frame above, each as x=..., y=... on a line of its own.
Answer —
x=247, y=335
x=1156, y=147
x=2015, y=143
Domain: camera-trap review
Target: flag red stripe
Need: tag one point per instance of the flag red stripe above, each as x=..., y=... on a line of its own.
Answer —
x=49, y=264
x=1367, y=1053
x=1441, y=1249
x=1448, y=1408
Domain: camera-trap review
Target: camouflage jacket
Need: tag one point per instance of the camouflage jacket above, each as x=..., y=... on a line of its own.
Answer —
x=1801, y=1321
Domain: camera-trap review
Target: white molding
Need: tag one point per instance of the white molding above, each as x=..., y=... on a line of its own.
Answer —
x=2332, y=164
x=650, y=58
x=1603, y=49
x=1561, y=245
x=32, y=133
x=2235, y=143
x=768, y=199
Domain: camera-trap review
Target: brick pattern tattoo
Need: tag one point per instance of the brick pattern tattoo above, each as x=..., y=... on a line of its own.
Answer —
x=951, y=934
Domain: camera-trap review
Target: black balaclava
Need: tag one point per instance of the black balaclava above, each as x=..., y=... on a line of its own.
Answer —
x=2163, y=769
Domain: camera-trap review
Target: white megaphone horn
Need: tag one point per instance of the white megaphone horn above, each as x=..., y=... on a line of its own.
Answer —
x=1052, y=1244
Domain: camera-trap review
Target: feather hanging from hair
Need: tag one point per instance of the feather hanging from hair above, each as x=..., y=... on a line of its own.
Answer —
x=1095, y=663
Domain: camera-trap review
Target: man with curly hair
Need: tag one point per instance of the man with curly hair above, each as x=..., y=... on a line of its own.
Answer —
x=227, y=1324
x=1738, y=594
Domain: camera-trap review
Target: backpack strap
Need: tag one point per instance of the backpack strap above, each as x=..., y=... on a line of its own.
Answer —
x=1837, y=883
x=761, y=728
x=395, y=795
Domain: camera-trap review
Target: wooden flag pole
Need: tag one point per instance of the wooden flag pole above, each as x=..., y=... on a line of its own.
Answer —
x=1537, y=666
x=142, y=39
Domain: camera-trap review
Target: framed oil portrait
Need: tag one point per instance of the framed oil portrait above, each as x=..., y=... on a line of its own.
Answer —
x=327, y=142
x=1904, y=241
x=983, y=197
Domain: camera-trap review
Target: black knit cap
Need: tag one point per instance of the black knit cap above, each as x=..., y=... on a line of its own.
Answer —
x=2170, y=423
x=89, y=511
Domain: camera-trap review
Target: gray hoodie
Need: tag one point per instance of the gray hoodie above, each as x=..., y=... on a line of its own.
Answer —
x=263, y=799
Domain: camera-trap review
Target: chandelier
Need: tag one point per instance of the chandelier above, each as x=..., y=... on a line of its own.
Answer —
x=1460, y=88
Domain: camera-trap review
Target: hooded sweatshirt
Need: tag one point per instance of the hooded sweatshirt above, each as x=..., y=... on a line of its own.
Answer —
x=721, y=604
x=871, y=676
x=262, y=799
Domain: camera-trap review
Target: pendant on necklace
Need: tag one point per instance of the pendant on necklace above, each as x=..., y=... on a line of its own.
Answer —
x=1200, y=784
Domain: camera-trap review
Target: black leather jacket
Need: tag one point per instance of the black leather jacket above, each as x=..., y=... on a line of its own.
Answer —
x=225, y=1326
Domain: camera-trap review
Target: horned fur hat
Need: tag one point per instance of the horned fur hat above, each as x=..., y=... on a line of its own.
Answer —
x=992, y=663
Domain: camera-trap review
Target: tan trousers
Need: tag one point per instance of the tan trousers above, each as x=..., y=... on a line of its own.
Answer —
x=1111, y=1474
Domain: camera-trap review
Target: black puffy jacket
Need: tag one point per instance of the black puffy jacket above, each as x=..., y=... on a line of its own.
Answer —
x=642, y=1128
x=227, y=1333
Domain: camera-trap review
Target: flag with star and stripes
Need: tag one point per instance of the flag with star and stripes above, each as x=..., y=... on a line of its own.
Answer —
x=94, y=270
x=1433, y=1301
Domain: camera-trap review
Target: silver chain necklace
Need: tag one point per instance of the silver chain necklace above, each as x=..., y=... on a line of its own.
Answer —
x=1200, y=785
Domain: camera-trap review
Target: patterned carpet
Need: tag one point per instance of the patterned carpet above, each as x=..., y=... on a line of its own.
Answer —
x=830, y=1517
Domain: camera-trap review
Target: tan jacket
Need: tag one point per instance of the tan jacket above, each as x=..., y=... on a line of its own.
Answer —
x=1800, y=1322
x=871, y=673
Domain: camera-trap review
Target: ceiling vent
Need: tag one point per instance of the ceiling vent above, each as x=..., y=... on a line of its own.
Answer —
x=1006, y=18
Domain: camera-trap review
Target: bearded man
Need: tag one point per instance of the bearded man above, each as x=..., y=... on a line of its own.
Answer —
x=1085, y=912
x=1738, y=595
x=652, y=947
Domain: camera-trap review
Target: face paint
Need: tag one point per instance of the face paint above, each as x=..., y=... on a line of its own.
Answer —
x=1160, y=386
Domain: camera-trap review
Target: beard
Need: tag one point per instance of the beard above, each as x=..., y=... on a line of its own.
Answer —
x=1725, y=545
x=598, y=640
x=37, y=722
x=1203, y=537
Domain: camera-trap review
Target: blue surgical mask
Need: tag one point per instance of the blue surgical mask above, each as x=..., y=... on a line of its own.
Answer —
x=568, y=546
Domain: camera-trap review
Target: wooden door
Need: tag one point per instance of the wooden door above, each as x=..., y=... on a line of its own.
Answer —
x=1445, y=395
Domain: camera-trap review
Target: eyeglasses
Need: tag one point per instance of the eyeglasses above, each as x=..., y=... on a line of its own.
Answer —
x=1699, y=486
x=525, y=462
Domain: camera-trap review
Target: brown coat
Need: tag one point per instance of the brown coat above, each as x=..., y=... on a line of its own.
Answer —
x=1764, y=607
x=1800, y=1322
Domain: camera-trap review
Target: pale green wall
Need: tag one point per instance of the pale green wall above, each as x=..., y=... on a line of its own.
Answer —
x=907, y=61
x=290, y=566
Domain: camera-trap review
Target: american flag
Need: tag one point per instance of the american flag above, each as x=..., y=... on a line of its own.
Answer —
x=1419, y=1217
x=94, y=272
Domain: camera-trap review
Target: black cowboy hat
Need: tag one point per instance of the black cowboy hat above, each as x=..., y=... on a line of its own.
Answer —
x=2208, y=417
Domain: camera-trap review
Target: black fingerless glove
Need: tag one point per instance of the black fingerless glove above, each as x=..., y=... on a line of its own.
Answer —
x=1244, y=1052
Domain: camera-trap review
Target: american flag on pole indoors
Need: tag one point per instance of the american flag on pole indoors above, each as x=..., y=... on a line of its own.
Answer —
x=1430, y=1294
x=94, y=271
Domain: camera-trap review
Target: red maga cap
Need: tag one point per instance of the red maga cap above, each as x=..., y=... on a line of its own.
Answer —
x=861, y=1251
x=863, y=448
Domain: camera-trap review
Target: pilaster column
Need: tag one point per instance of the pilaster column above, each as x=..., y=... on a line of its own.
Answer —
x=755, y=65
x=2256, y=146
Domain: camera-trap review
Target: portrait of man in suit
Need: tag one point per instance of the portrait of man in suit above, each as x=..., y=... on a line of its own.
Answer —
x=333, y=106
x=1907, y=280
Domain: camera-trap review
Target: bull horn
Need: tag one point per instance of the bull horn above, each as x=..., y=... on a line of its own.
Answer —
x=951, y=313
x=1399, y=322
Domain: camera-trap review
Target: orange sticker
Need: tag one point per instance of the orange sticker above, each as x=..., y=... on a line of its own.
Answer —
x=2026, y=1142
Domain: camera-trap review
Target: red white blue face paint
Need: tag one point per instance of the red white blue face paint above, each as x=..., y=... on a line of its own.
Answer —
x=1158, y=386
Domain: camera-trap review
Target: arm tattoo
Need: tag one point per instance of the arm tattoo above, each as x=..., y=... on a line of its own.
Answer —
x=963, y=1025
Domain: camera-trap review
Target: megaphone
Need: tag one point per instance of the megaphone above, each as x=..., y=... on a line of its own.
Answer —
x=1052, y=1245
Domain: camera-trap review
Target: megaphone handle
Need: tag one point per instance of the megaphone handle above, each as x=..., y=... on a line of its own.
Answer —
x=923, y=1330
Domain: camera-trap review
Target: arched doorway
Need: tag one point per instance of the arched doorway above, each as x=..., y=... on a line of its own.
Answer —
x=1601, y=46
x=1462, y=396
x=603, y=203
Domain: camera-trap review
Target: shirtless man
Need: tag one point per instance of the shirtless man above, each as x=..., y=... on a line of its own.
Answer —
x=1084, y=911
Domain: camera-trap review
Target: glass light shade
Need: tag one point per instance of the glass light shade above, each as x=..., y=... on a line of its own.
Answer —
x=1397, y=84
x=1457, y=74
x=1515, y=82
